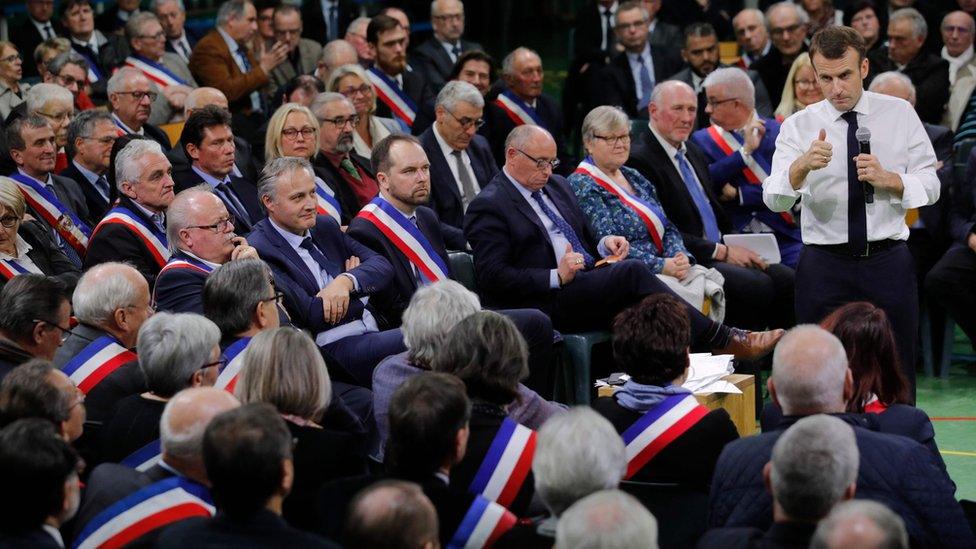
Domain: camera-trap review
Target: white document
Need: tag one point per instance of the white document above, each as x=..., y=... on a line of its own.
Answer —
x=705, y=369
x=763, y=244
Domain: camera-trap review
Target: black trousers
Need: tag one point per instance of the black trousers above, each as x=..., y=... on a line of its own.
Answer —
x=952, y=283
x=536, y=327
x=826, y=280
x=756, y=299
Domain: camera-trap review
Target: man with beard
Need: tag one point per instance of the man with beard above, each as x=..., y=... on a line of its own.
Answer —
x=400, y=92
x=132, y=95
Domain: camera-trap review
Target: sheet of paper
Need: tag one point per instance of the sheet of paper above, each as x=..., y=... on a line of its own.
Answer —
x=763, y=244
x=719, y=386
x=706, y=368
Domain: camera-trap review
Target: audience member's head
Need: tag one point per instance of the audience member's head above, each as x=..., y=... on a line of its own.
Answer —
x=338, y=118
x=750, y=31
x=32, y=145
x=264, y=10
x=208, y=141
x=907, y=31
x=38, y=471
x=172, y=15
x=356, y=35
x=447, y=18
x=402, y=171
x=113, y=297
x=301, y=89
x=788, y=24
x=577, y=453
x=54, y=103
x=895, y=84
x=335, y=54
x=181, y=427
x=701, y=48
x=459, y=111
x=630, y=23
x=144, y=174
x=39, y=390
x=801, y=89
x=13, y=207
x=34, y=313
x=958, y=29
x=863, y=524
x=525, y=141
x=247, y=454
x=177, y=351
x=352, y=82
x=392, y=514
x=731, y=98
x=428, y=418
x=11, y=65
x=476, y=68
x=651, y=339
x=238, y=18
x=240, y=299
x=131, y=95
x=48, y=50
x=145, y=35
x=120, y=143
x=865, y=17
x=287, y=190
x=388, y=43
x=293, y=131
x=90, y=138
x=433, y=312
x=68, y=70
x=78, y=18
x=810, y=373
x=197, y=222
x=609, y=519
x=522, y=72
x=286, y=22
x=400, y=16
x=673, y=108
x=201, y=97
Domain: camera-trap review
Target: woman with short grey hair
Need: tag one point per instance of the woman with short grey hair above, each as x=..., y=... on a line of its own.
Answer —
x=176, y=351
x=351, y=81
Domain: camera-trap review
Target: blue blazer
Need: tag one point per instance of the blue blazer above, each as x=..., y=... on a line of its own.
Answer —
x=180, y=290
x=373, y=274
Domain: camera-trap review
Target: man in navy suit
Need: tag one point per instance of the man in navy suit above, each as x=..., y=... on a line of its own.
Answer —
x=460, y=159
x=534, y=248
x=172, y=16
x=328, y=275
x=436, y=57
x=90, y=138
x=131, y=95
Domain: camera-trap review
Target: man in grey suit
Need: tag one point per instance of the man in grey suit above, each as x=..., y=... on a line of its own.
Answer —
x=166, y=70
x=436, y=57
x=303, y=53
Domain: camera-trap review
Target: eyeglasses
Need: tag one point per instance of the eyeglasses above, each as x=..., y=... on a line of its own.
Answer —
x=149, y=307
x=68, y=81
x=341, y=122
x=541, y=163
x=792, y=29
x=803, y=83
x=449, y=17
x=8, y=221
x=221, y=362
x=468, y=122
x=628, y=26
x=716, y=102
x=614, y=139
x=66, y=115
x=158, y=36
x=107, y=140
x=65, y=332
x=139, y=95
x=293, y=133
x=220, y=226
x=363, y=90
x=11, y=58
x=277, y=298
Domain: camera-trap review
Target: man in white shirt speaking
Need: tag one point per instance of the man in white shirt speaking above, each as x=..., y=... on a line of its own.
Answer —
x=853, y=204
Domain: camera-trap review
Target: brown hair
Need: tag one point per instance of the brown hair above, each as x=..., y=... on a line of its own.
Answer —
x=650, y=340
x=832, y=43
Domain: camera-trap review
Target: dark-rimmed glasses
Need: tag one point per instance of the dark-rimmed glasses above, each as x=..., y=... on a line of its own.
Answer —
x=541, y=163
x=467, y=122
x=220, y=226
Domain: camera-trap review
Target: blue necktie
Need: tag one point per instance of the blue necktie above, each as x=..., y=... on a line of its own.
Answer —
x=234, y=205
x=698, y=195
x=244, y=61
x=563, y=227
x=102, y=185
x=318, y=256
x=857, y=222
x=646, y=84
x=333, y=30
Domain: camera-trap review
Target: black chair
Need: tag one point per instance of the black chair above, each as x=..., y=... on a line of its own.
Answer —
x=681, y=512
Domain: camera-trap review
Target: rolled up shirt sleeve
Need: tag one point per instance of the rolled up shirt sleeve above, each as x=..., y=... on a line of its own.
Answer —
x=778, y=194
x=922, y=187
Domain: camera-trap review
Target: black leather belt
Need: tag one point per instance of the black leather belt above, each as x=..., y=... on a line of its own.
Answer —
x=872, y=249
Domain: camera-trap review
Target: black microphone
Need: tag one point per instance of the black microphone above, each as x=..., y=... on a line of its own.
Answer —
x=863, y=136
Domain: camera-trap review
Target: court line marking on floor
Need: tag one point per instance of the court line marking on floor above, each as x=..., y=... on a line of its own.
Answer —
x=963, y=418
x=957, y=453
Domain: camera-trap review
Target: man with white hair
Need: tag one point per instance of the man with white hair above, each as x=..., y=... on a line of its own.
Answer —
x=958, y=32
x=56, y=104
x=609, y=518
x=860, y=523
x=179, y=468
x=813, y=467
x=168, y=71
x=436, y=57
x=111, y=302
x=135, y=229
x=810, y=376
x=356, y=35
x=131, y=95
x=334, y=55
x=752, y=36
x=739, y=146
x=787, y=23
x=172, y=15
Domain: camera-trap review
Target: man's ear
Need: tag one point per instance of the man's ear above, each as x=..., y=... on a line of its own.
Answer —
x=17, y=156
x=767, y=473
x=848, y=386
x=771, y=387
x=287, y=476
x=850, y=491
x=192, y=151
x=37, y=334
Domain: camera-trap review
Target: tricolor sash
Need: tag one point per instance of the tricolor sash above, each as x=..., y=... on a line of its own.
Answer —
x=392, y=96
x=96, y=361
x=326, y=203
x=154, y=240
x=154, y=71
x=519, y=111
x=406, y=237
x=57, y=215
x=145, y=457
x=507, y=464
x=234, y=353
x=10, y=268
x=659, y=427
x=482, y=525
x=186, y=263
x=94, y=75
x=148, y=509
x=652, y=217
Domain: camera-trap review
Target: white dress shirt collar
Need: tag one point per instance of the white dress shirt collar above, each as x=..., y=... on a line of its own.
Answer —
x=47, y=181
x=293, y=240
x=54, y=533
x=232, y=44
x=668, y=147
x=40, y=27
x=210, y=264
x=209, y=179
x=644, y=54
x=91, y=176
x=22, y=249
x=861, y=107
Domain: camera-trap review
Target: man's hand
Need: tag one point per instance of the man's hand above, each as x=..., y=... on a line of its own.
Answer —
x=677, y=266
x=242, y=250
x=753, y=133
x=176, y=95
x=729, y=193
x=352, y=263
x=870, y=170
x=335, y=298
x=271, y=58
x=971, y=241
x=744, y=257
x=816, y=157
x=569, y=265
x=618, y=246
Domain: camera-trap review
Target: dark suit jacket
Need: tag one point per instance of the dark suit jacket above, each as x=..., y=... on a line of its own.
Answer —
x=763, y=104
x=26, y=37
x=589, y=35
x=417, y=88
x=111, y=55
x=962, y=214
x=781, y=535
x=432, y=60
x=344, y=194
x=180, y=290
x=243, y=159
x=552, y=118
x=97, y=206
x=394, y=300
x=212, y=64
x=109, y=483
x=512, y=251
x=261, y=529
x=191, y=37
x=373, y=274
x=935, y=217
x=445, y=197
x=70, y=195
x=667, y=35
x=615, y=84
x=773, y=71
x=37, y=538
x=649, y=158
x=46, y=255
x=315, y=22
x=157, y=135
x=929, y=73
x=245, y=191
x=115, y=242
x=108, y=21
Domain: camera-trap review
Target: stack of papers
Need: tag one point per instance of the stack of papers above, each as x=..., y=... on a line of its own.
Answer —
x=704, y=375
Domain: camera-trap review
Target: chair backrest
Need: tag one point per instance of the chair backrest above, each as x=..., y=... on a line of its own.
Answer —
x=637, y=127
x=173, y=132
x=681, y=512
x=462, y=269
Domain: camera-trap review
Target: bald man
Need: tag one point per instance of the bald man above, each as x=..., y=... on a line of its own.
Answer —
x=335, y=54
x=392, y=509
x=436, y=57
x=958, y=31
x=861, y=523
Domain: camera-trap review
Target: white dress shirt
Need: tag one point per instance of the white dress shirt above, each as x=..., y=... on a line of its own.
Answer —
x=22, y=248
x=897, y=139
x=182, y=47
x=54, y=533
x=448, y=152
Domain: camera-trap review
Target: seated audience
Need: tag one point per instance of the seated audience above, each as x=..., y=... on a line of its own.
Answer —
x=113, y=490
x=56, y=104
x=70, y=71
x=392, y=514
x=436, y=57
x=34, y=313
x=248, y=457
x=302, y=53
x=326, y=274
x=787, y=23
x=169, y=72
x=868, y=20
x=25, y=246
x=292, y=131
x=180, y=39
x=801, y=89
x=102, y=53
x=42, y=469
x=810, y=377
x=400, y=91
x=11, y=73
x=958, y=33
x=860, y=523
x=650, y=344
x=813, y=467
x=131, y=95
x=352, y=82
x=176, y=351
x=334, y=55
x=752, y=36
x=608, y=518
x=90, y=138
x=478, y=69
x=283, y=367
x=577, y=454
x=36, y=389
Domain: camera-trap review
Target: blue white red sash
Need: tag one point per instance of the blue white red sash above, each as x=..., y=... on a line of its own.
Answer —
x=234, y=353
x=186, y=263
x=326, y=203
x=482, y=525
x=148, y=509
x=154, y=240
x=389, y=92
x=154, y=71
x=57, y=215
x=507, y=464
x=652, y=217
x=96, y=361
x=9, y=268
x=519, y=111
x=94, y=75
x=659, y=427
x=406, y=237
x=145, y=457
